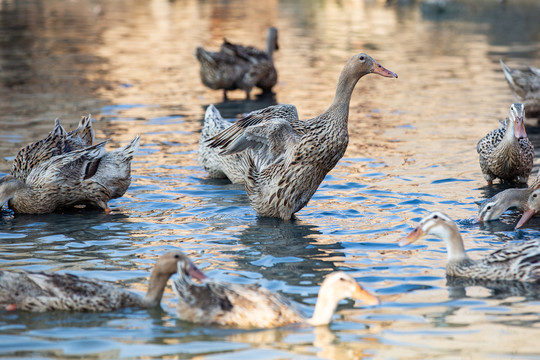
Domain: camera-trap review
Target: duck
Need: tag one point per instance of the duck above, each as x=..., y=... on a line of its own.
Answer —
x=531, y=209
x=212, y=302
x=517, y=261
x=492, y=208
x=283, y=160
x=62, y=171
x=525, y=84
x=239, y=67
x=506, y=152
x=48, y=291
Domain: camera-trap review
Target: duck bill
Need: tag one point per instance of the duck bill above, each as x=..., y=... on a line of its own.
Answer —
x=414, y=235
x=519, y=128
x=365, y=296
x=381, y=70
x=194, y=272
x=527, y=215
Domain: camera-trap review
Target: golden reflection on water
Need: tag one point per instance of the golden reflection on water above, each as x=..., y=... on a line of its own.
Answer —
x=421, y=127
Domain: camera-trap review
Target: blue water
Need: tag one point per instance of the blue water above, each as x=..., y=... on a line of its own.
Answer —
x=411, y=151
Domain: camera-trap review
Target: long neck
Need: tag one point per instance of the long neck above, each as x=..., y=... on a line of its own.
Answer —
x=342, y=98
x=454, y=244
x=324, y=308
x=270, y=45
x=156, y=286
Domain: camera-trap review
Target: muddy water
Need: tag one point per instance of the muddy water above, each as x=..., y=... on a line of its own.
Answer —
x=411, y=151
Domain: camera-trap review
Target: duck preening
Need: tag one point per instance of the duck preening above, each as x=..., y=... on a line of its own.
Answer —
x=250, y=306
x=41, y=291
x=64, y=170
x=239, y=67
x=525, y=84
x=281, y=159
x=517, y=261
x=506, y=152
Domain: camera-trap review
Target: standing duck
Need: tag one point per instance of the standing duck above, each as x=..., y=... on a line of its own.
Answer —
x=40, y=291
x=239, y=67
x=506, y=152
x=249, y=306
x=525, y=84
x=516, y=261
x=283, y=160
x=492, y=208
x=531, y=209
x=62, y=171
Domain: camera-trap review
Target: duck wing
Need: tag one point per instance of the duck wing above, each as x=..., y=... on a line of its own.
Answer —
x=486, y=145
x=517, y=261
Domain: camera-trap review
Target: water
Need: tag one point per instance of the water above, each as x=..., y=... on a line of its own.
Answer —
x=411, y=151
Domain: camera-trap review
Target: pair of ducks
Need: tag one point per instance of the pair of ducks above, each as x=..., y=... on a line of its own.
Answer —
x=239, y=67
x=65, y=169
x=248, y=306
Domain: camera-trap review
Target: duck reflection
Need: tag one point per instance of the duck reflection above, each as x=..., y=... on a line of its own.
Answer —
x=500, y=290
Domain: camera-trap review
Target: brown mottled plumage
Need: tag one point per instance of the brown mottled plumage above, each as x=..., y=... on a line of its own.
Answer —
x=250, y=306
x=525, y=84
x=492, y=208
x=506, y=152
x=239, y=67
x=63, y=170
x=40, y=291
x=286, y=158
x=519, y=261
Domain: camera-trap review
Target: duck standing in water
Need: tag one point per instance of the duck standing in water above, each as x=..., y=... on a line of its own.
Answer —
x=64, y=170
x=239, y=67
x=41, y=291
x=519, y=261
x=525, y=84
x=281, y=159
x=506, y=152
x=249, y=306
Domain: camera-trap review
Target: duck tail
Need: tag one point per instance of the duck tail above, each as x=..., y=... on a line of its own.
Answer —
x=213, y=124
x=204, y=57
x=131, y=149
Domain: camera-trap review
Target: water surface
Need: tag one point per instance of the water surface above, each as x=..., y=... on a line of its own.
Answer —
x=411, y=151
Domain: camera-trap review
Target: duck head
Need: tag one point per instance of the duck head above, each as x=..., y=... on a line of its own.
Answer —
x=9, y=186
x=186, y=267
x=517, y=114
x=533, y=206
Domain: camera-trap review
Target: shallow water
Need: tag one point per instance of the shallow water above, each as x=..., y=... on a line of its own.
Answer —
x=411, y=151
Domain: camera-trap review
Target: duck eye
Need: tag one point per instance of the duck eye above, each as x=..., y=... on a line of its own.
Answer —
x=535, y=195
x=435, y=216
x=362, y=58
x=341, y=279
x=177, y=256
x=488, y=208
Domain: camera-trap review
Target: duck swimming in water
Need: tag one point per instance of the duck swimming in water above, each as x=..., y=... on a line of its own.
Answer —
x=250, y=306
x=517, y=261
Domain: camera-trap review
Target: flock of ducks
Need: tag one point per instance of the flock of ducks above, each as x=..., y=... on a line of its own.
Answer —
x=281, y=160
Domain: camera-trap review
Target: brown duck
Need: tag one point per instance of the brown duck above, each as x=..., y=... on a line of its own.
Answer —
x=250, y=306
x=41, y=291
x=284, y=159
x=525, y=84
x=239, y=67
x=506, y=152
x=64, y=170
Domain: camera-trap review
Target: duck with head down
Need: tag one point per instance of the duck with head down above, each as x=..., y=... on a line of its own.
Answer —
x=506, y=152
x=517, y=261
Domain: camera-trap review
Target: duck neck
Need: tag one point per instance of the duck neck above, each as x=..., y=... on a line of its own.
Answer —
x=156, y=286
x=324, y=308
x=454, y=244
x=339, y=109
x=270, y=45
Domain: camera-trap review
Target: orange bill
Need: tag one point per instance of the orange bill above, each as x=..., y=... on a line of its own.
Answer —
x=194, y=272
x=381, y=70
x=414, y=235
x=527, y=215
x=365, y=296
